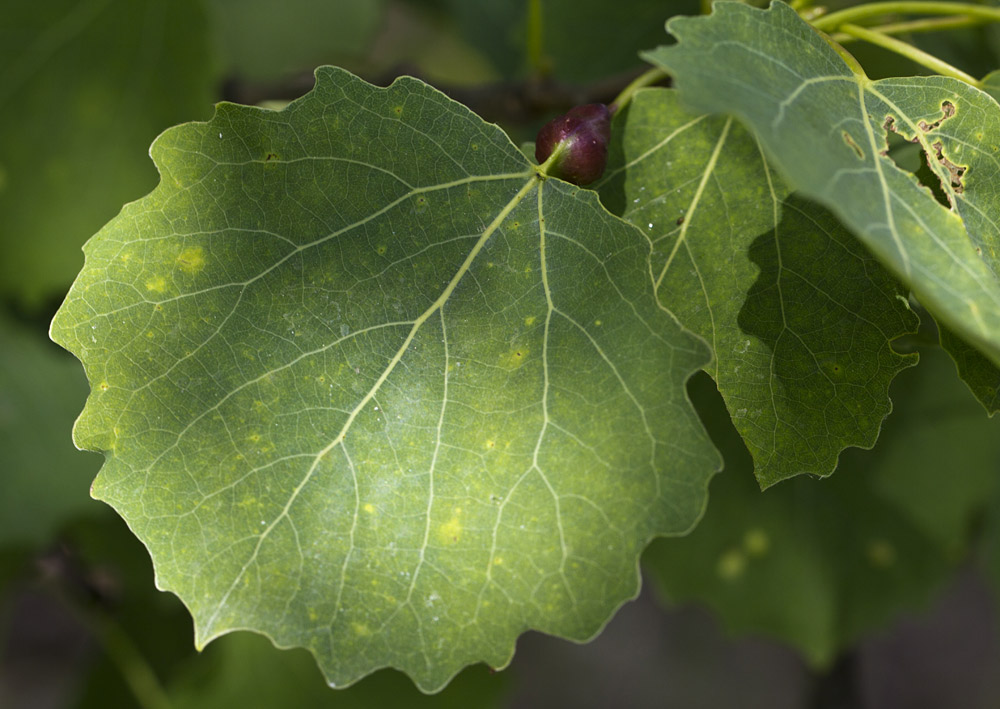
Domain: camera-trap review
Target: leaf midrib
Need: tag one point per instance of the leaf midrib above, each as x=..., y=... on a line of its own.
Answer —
x=533, y=181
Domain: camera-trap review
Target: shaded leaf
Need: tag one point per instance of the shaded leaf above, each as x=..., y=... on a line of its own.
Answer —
x=825, y=126
x=370, y=386
x=800, y=317
x=84, y=89
x=44, y=480
x=819, y=563
x=263, y=40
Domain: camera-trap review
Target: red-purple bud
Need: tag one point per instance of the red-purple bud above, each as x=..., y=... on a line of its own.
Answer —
x=584, y=133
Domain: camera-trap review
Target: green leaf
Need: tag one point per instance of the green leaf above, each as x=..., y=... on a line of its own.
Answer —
x=799, y=316
x=825, y=126
x=370, y=386
x=84, y=89
x=818, y=563
x=263, y=40
x=242, y=669
x=44, y=480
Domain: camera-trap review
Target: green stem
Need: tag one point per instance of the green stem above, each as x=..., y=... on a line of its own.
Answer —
x=914, y=26
x=851, y=15
x=647, y=78
x=536, y=38
x=909, y=51
x=138, y=675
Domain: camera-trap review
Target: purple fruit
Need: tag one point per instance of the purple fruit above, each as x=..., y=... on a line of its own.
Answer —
x=581, y=137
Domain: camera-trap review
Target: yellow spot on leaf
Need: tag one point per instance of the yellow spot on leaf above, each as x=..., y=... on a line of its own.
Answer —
x=157, y=284
x=191, y=260
x=360, y=629
x=498, y=561
x=530, y=320
x=491, y=444
x=881, y=553
x=515, y=358
x=369, y=508
x=756, y=542
x=451, y=531
x=731, y=565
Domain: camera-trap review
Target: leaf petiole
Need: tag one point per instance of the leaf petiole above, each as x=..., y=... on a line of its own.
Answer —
x=909, y=51
x=934, y=24
x=852, y=15
x=647, y=78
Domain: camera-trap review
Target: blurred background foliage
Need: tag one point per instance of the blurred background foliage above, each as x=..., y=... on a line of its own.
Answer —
x=872, y=588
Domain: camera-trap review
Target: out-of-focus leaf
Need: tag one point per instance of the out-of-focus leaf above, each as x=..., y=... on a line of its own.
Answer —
x=44, y=479
x=262, y=39
x=244, y=669
x=818, y=563
x=85, y=86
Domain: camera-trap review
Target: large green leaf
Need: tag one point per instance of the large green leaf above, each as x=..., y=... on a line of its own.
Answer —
x=371, y=386
x=825, y=125
x=799, y=316
x=85, y=86
x=44, y=479
x=818, y=563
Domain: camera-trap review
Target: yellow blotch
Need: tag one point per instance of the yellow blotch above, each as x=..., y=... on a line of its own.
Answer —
x=498, y=561
x=313, y=615
x=381, y=250
x=756, y=542
x=191, y=260
x=360, y=629
x=103, y=386
x=451, y=531
x=731, y=565
x=598, y=323
x=255, y=437
x=369, y=508
x=881, y=553
x=515, y=358
x=157, y=284
x=491, y=444
x=530, y=320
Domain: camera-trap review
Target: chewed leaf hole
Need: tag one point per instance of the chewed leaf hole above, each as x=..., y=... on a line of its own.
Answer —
x=909, y=156
x=956, y=172
x=947, y=111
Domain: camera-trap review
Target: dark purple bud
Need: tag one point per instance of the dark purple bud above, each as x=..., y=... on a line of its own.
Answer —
x=582, y=136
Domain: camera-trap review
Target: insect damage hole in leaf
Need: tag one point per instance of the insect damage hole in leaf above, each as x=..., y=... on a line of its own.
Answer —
x=943, y=183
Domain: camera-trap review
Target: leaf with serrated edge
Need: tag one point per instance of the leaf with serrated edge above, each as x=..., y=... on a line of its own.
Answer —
x=824, y=125
x=369, y=385
x=798, y=314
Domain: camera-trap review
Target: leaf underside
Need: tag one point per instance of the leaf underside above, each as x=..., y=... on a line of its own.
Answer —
x=825, y=127
x=368, y=385
x=799, y=315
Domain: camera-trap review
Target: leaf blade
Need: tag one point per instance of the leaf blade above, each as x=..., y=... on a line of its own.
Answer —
x=382, y=423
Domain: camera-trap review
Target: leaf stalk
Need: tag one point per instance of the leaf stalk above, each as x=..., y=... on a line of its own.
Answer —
x=647, y=78
x=853, y=15
x=935, y=24
x=907, y=50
